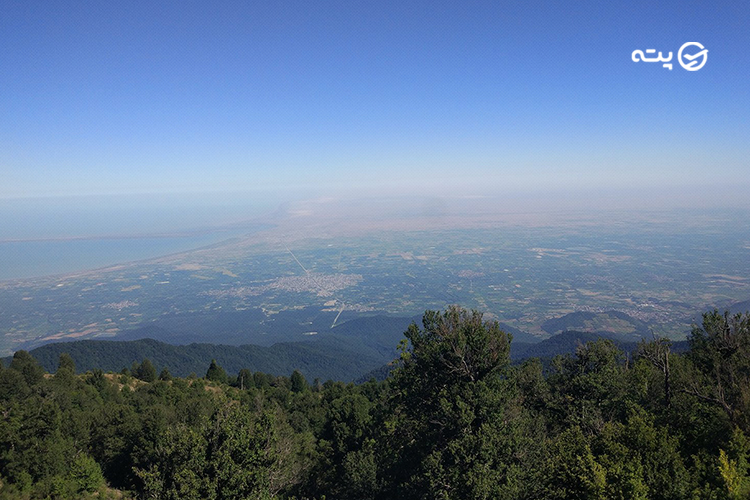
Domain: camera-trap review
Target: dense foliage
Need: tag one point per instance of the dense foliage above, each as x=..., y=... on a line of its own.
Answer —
x=454, y=420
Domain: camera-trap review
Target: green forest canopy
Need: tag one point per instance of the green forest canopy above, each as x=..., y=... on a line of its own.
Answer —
x=455, y=419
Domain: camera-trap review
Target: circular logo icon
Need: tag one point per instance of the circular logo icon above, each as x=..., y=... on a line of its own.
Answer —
x=692, y=62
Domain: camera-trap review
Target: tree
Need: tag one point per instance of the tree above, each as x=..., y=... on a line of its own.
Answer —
x=145, y=371
x=641, y=459
x=245, y=379
x=12, y=385
x=452, y=426
x=66, y=363
x=317, y=385
x=86, y=474
x=590, y=388
x=216, y=373
x=261, y=380
x=234, y=454
x=66, y=370
x=298, y=382
x=571, y=470
x=657, y=353
x=720, y=352
x=734, y=466
x=28, y=367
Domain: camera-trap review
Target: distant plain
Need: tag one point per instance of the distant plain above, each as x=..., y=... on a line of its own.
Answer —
x=323, y=261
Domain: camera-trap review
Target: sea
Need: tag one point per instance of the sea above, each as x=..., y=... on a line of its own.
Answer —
x=59, y=235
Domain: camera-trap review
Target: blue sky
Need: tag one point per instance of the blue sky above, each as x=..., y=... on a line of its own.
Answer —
x=185, y=97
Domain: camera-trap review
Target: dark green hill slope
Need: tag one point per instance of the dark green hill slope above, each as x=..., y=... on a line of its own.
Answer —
x=325, y=359
x=345, y=352
x=350, y=354
x=567, y=342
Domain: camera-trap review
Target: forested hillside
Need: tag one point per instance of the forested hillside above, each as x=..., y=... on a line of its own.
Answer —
x=455, y=419
x=337, y=357
x=330, y=358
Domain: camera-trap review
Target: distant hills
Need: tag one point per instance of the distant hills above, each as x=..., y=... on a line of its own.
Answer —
x=253, y=327
x=355, y=351
x=567, y=342
x=316, y=359
x=608, y=321
x=345, y=352
x=740, y=307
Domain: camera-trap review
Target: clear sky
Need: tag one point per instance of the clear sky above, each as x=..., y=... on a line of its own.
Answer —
x=100, y=97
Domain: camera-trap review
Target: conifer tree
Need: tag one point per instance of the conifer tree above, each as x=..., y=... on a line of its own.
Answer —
x=216, y=373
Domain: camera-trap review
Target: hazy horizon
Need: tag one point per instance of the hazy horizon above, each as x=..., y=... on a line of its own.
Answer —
x=175, y=121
